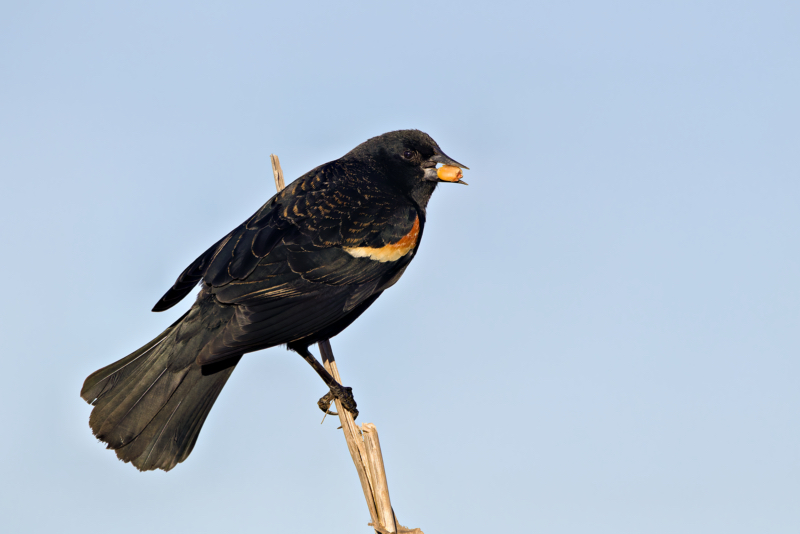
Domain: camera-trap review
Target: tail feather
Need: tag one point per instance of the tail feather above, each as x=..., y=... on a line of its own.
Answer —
x=103, y=380
x=170, y=436
x=123, y=417
x=150, y=406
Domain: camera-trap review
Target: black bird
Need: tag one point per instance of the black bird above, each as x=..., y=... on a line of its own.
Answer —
x=297, y=272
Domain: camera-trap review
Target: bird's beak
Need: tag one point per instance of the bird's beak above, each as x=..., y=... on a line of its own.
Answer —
x=450, y=172
x=444, y=159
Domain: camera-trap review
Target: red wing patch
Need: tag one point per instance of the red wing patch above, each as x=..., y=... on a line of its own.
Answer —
x=391, y=252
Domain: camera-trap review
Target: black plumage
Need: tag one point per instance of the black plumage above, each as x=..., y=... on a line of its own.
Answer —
x=299, y=271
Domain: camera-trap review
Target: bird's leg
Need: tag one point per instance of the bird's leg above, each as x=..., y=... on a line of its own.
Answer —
x=337, y=391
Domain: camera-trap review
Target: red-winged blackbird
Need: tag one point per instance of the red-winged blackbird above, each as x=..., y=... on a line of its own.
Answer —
x=299, y=271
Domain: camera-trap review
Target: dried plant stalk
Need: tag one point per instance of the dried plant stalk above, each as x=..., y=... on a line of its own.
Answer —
x=277, y=172
x=365, y=448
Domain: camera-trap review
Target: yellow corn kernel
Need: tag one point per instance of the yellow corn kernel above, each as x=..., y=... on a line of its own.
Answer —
x=449, y=173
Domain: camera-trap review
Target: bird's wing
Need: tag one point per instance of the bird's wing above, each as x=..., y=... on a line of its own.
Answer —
x=323, y=206
x=304, y=261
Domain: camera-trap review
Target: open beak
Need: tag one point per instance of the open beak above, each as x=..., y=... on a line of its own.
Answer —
x=451, y=170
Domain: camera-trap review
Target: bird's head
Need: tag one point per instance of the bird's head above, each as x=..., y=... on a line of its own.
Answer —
x=407, y=160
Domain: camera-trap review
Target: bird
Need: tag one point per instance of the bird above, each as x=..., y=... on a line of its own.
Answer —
x=299, y=271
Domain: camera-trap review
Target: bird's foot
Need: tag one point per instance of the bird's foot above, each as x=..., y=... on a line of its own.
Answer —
x=345, y=396
x=325, y=403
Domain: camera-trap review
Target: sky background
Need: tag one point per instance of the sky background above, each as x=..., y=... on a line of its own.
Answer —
x=600, y=334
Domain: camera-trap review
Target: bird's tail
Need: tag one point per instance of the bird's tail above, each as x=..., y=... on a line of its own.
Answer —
x=150, y=406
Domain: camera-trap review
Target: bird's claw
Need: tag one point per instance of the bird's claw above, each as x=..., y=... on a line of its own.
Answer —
x=325, y=403
x=344, y=395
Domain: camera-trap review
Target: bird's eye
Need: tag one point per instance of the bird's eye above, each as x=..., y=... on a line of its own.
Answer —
x=408, y=154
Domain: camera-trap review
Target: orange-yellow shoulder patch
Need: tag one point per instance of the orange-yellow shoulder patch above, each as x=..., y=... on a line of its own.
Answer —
x=391, y=252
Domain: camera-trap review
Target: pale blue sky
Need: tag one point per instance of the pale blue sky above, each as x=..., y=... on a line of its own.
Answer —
x=601, y=332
